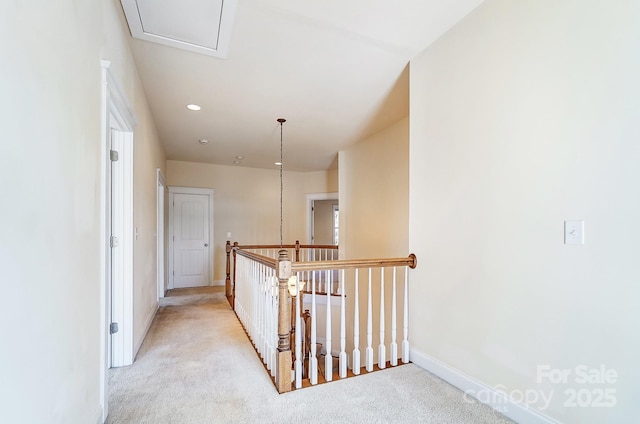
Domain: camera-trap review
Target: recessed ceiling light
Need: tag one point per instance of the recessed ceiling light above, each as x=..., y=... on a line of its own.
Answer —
x=239, y=157
x=203, y=141
x=237, y=162
x=193, y=107
x=278, y=164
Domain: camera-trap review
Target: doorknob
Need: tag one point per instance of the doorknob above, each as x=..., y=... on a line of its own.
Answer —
x=206, y=245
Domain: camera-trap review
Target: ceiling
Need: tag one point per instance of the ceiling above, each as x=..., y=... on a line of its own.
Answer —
x=336, y=70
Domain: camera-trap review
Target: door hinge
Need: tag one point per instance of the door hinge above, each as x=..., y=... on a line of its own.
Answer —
x=113, y=328
x=113, y=155
x=113, y=241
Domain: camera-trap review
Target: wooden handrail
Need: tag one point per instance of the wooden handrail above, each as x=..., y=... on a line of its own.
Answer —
x=285, y=246
x=261, y=259
x=410, y=261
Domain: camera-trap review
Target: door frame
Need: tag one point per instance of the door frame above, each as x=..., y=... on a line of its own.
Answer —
x=160, y=234
x=310, y=199
x=190, y=190
x=116, y=114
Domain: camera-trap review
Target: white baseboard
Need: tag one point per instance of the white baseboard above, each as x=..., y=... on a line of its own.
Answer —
x=490, y=396
x=147, y=325
x=100, y=419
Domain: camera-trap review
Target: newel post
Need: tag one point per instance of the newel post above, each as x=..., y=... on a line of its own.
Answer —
x=284, y=362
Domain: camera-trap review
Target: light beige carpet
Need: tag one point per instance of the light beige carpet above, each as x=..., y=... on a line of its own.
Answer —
x=198, y=366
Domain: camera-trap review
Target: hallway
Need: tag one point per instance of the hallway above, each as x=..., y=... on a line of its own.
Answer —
x=196, y=365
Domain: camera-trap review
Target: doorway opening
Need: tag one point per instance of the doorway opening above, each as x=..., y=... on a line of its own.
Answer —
x=323, y=218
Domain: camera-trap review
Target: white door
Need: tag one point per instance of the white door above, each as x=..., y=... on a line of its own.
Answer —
x=160, y=225
x=121, y=249
x=191, y=243
x=116, y=217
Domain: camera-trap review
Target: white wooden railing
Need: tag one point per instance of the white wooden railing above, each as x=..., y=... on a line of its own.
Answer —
x=257, y=306
x=358, y=282
x=327, y=325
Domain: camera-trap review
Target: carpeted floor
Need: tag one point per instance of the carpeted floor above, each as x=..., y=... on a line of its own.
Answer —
x=198, y=366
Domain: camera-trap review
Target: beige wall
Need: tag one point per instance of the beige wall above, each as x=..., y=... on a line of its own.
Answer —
x=51, y=169
x=247, y=202
x=50, y=151
x=374, y=202
x=522, y=116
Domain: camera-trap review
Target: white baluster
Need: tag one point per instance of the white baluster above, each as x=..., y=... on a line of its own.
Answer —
x=238, y=300
x=382, y=350
x=249, y=291
x=343, y=331
x=262, y=312
x=250, y=302
x=328, y=360
x=298, y=363
x=394, y=345
x=249, y=269
x=256, y=308
x=267, y=318
x=259, y=283
x=255, y=300
x=369, y=350
x=313, y=360
x=326, y=282
x=267, y=314
x=405, y=340
x=355, y=366
x=274, y=321
x=256, y=305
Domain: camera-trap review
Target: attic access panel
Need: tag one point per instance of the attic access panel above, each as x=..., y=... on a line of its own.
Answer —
x=201, y=26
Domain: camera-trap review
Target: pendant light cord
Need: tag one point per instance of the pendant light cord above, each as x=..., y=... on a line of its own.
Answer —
x=281, y=120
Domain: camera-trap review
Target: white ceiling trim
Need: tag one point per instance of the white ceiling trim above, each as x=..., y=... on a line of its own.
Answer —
x=145, y=23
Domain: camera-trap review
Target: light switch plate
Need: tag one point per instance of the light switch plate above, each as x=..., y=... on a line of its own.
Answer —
x=574, y=232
